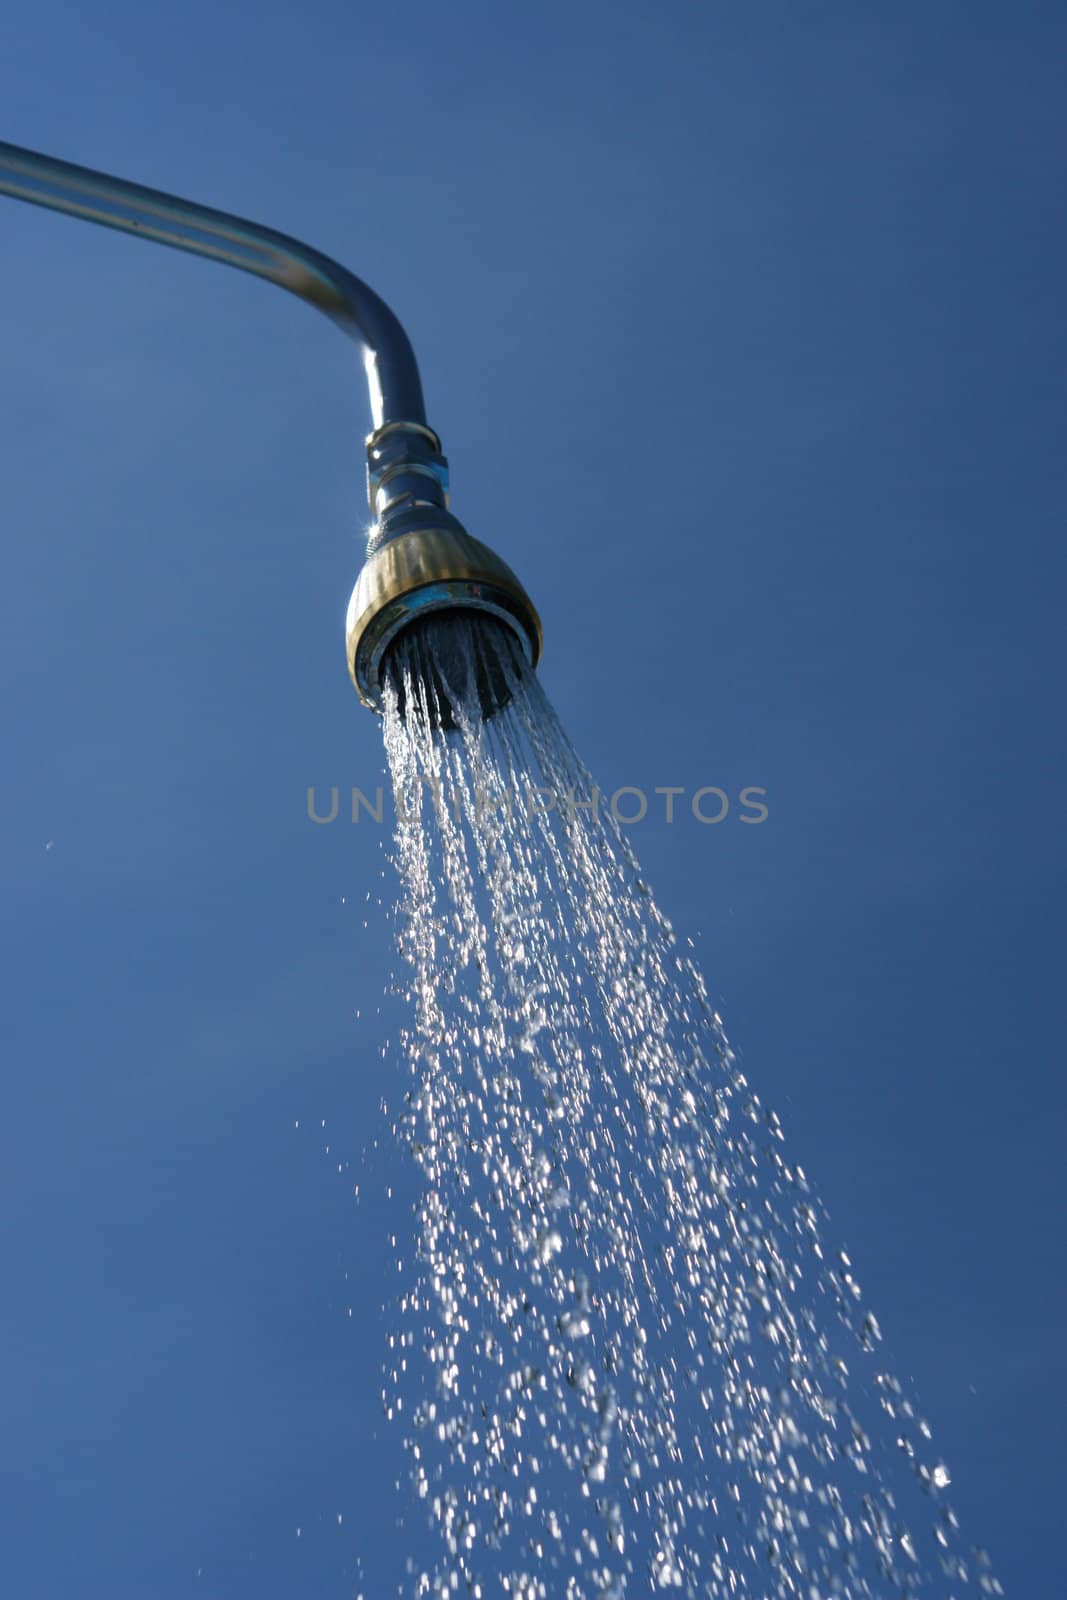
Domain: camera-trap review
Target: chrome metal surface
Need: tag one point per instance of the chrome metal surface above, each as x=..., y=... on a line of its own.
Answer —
x=405, y=467
x=392, y=372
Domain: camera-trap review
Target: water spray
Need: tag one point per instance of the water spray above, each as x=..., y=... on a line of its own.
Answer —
x=421, y=562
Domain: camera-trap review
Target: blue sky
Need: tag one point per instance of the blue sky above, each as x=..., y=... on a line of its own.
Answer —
x=744, y=331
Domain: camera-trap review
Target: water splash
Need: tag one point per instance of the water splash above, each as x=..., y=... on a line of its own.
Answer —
x=629, y=1363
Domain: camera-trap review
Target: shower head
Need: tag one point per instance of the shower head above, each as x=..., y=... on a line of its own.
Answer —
x=431, y=571
x=420, y=561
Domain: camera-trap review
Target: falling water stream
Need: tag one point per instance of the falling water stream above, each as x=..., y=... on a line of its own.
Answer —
x=628, y=1361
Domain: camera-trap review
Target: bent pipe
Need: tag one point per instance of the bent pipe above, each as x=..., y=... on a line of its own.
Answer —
x=388, y=359
x=420, y=559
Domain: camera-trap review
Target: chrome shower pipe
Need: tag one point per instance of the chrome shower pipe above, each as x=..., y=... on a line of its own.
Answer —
x=392, y=373
x=419, y=558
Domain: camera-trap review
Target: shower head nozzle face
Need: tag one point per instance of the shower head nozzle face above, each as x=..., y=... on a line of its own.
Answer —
x=430, y=572
x=451, y=668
